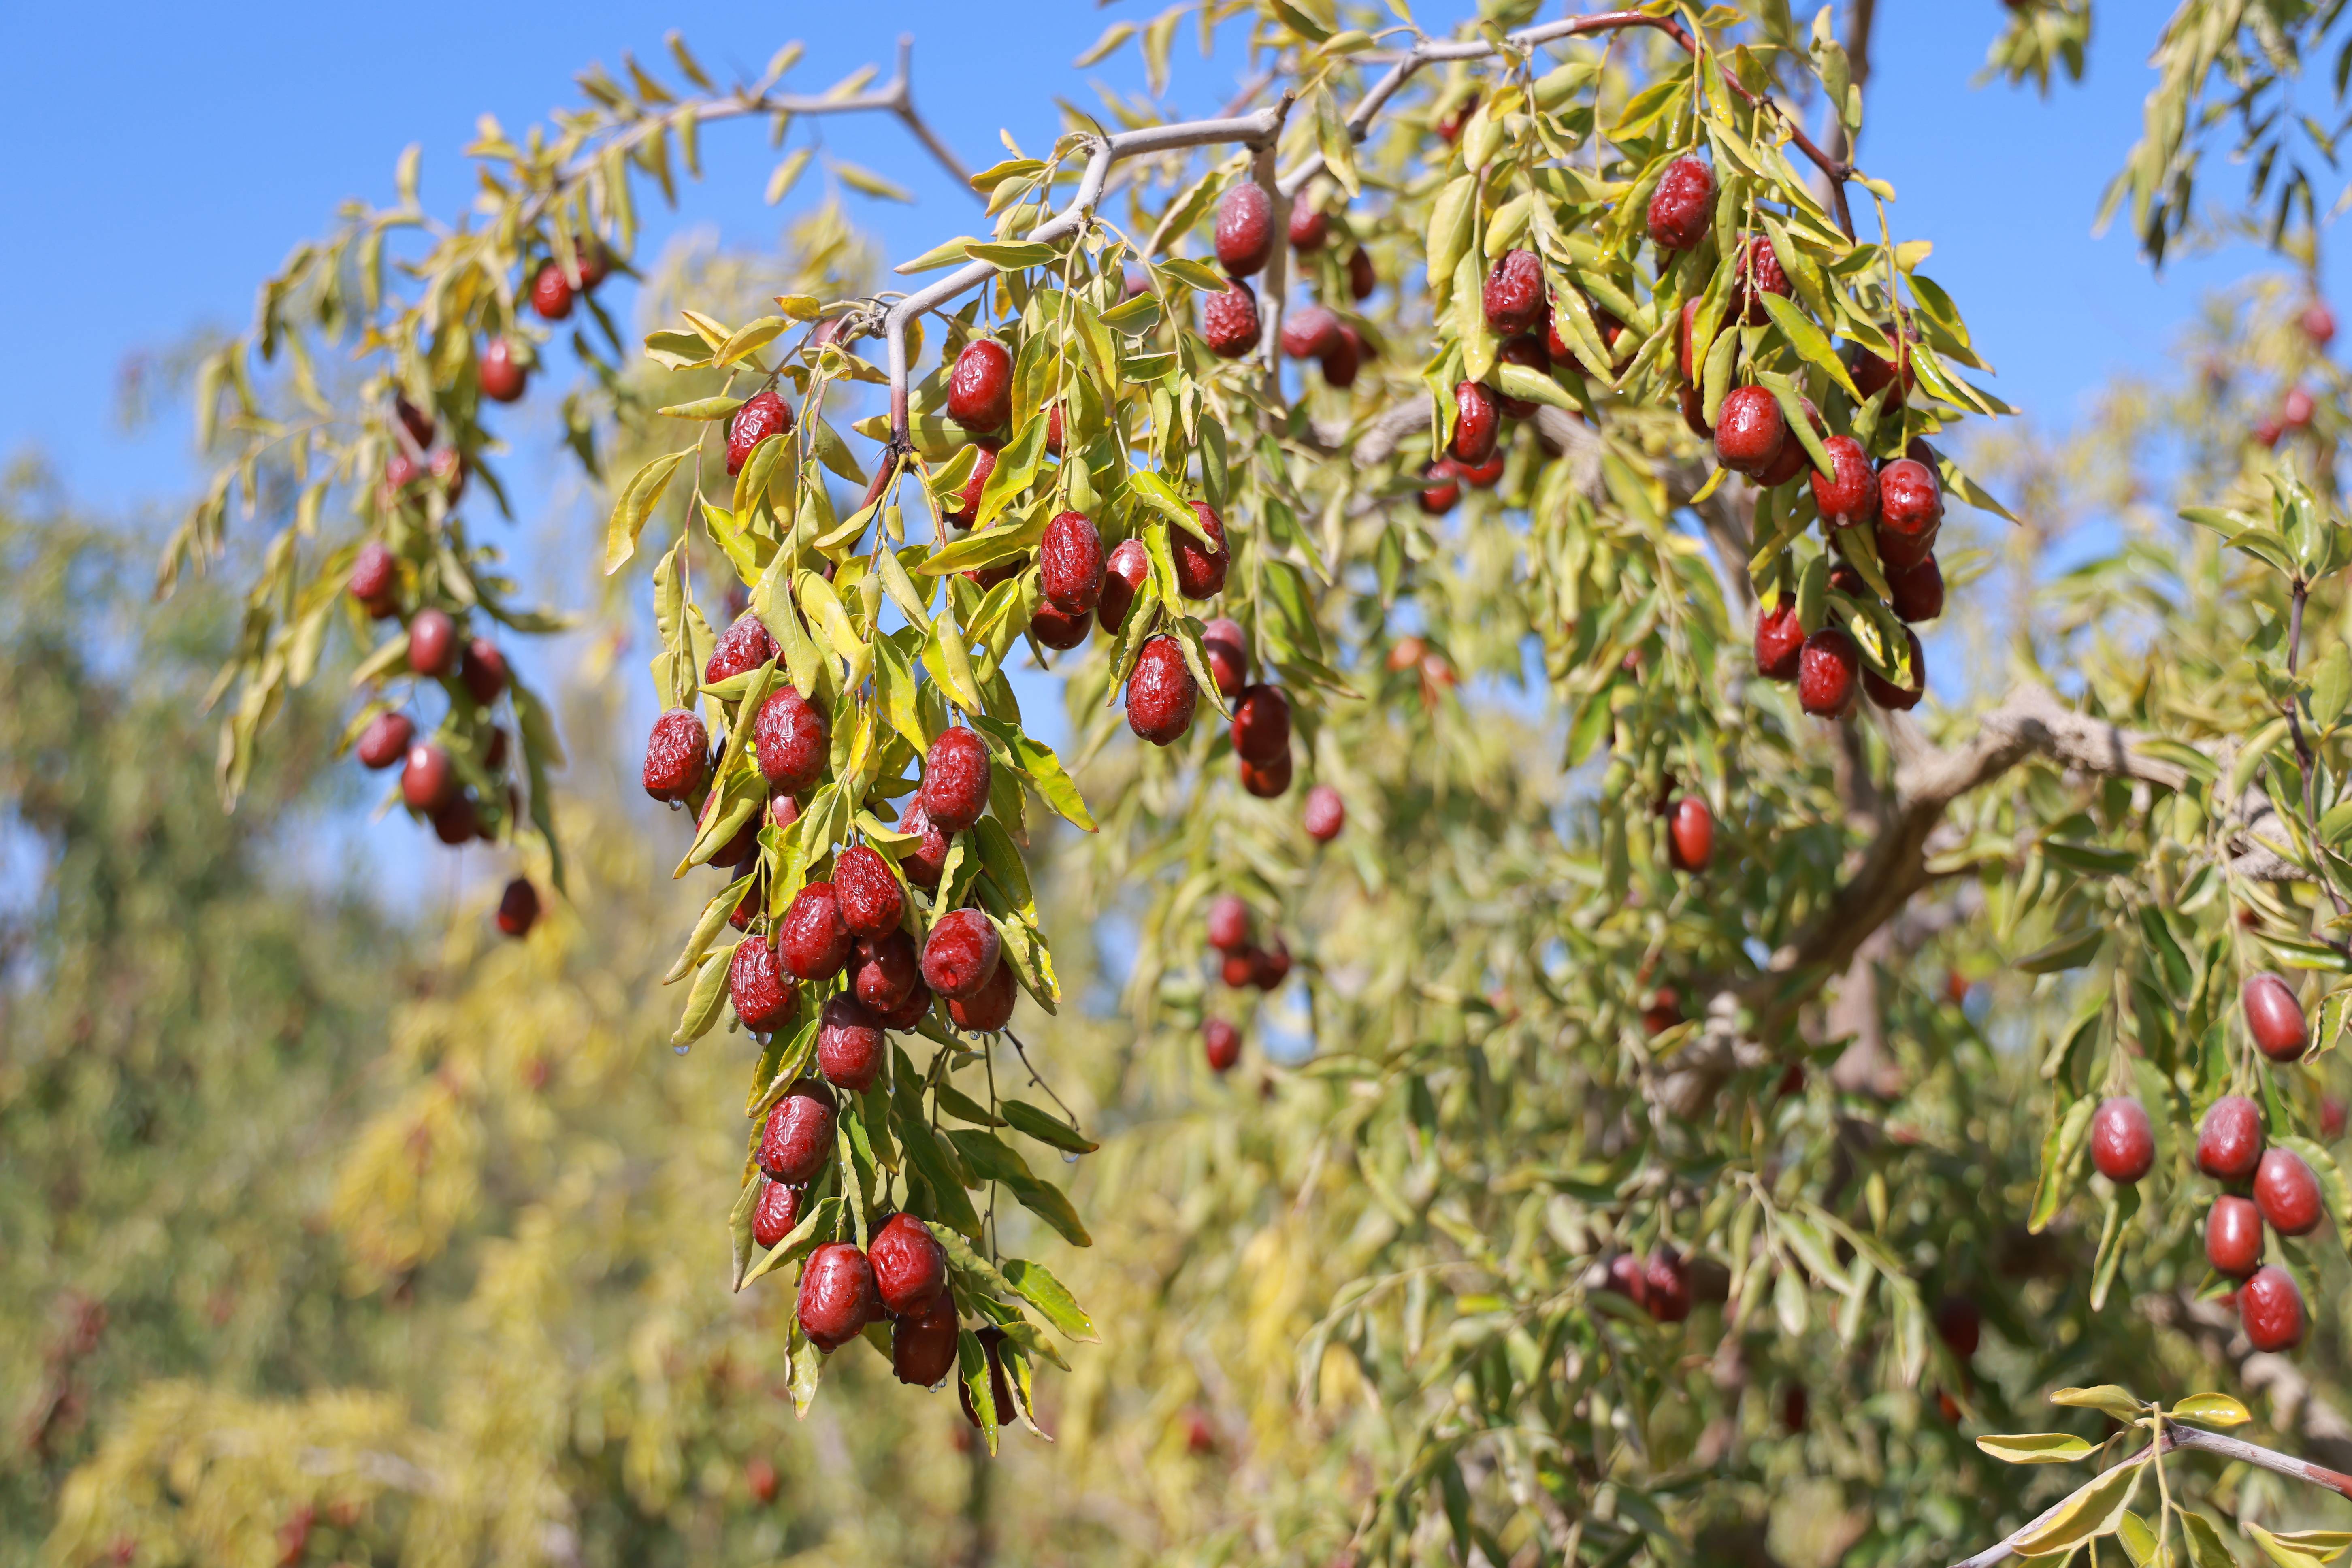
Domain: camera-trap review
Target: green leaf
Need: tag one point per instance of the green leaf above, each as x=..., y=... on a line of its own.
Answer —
x=2092, y=1510
x=2069, y=951
x=1813, y=344
x=2036, y=1448
x=2108, y=1398
x=639, y=499
x=2212, y=1410
x=1038, y=1287
x=1048, y=1129
x=2206, y=1549
x=705, y=1000
x=2091, y=860
x=2300, y=1549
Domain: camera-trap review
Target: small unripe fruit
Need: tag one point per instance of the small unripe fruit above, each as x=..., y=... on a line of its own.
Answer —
x=872, y=902
x=1439, y=498
x=1829, y=668
x=1361, y=279
x=432, y=643
x=483, y=671
x=1245, y=229
x=983, y=466
x=1229, y=320
x=1477, y=423
x=756, y=984
x=798, y=1139
x=1960, y=1325
x=962, y=954
x=1070, y=564
x=910, y=1266
x=2123, y=1144
x=1268, y=781
x=385, y=741
x=1124, y=575
x=979, y=387
x=1779, y=638
x=884, y=971
x=990, y=1008
x=1749, y=430
x=677, y=756
x=375, y=579
x=2233, y=1237
x=1309, y=332
x=1160, y=692
x=551, y=294
x=1262, y=724
x=837, y=1298
x=1514, y=294
x=928, y=860
x=1343, y=358
x=850, y=1049
x=1690, y=834
x=517, y=907
x=1848, y=493
x=2274, y=1018
x=2230, y=1141
x=774, y=1212
x=2287, y=1193
x=1910, y=511
x=1917, y=593
x=1756, y=272
x=745, y=646
x=955, y=780
x=1223, y=648
x=1229, y=924
x=428, y=780
x=1325, y=813
x=1888, y=695
x=2270, y=1309
x=1222, y=1043
x=1200, y=568
x=923, y=1348
x=1309, y=228
x=764, y=415
x=815, y=943
x=1682, y=208
x=1668, y=1279
x=502, y=376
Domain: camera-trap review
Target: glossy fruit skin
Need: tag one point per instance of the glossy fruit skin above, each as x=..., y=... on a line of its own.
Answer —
x=1758, y=273
x=1361, y=279
x=1437, y=499
x=2274, y=1018
x=677, y=756
x=1749, y=430
x=1668, y=1280
x=745, y=646
x=911, y=1267
x=774, y=1212
x=1848, y=493
x=923, y=1348
x=850, y=1049
x=1262, y=724
x=837, y=1296
x=979, y=387
x=1917, y=593
x=981, y=467
x=1910, y=511
x=1793, y=459
x=1124, y=574
x=1886, y=694
x=1309, y=332
x=2123, y=1144
x=432, y=643
x=428, y=779
x=386, y=740
x=764, y=415
x=1229, y=322
x=1229, y=924
x=872, y=902
x=551, y=294
x=798, y=1138
x=962, y=954
x=926, y=861
x=374, y=580
x=1245, y=229
x=2270, y=1309
x=1779, y=639
x=1053, y=430
x=1690, y=834
x=1960, y=1326
x=1482, y=476
x=789, y=739
x=1221, y=1043
x=756, y=984
x=2287, y=1193
x=1871, y=374
x=1325, y=813
x=501, y=375
x=1477, y=423
x=1226, y=653
x=955, y=780
x=517, y=907
x=1055, y=629
x=1160, y=692
x=884, y=971
x=1682, y=208
x=1344, y=358
x=1829, y=668
x=1070, y=564
x=2229, y=1140
x=1268, y=781
x=911, y=1012
x=988, y=1009
x=2233, y=1236
x=815, y=943
x=1309, y=226
x=1200, y=568
x=1270, y=965
x=1527, y=351
x=1514, y=294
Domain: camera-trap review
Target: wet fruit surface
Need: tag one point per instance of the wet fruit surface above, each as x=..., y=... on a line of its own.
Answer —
x=1829, y=670
x=1910, y=511
x=741, y=648
x=764, y=415
x=756, y=984
x=814, y=942
x=1124, y=574
x=924, y=863
x=774, y=1212
x=955, y=780
x=990, y=1008
x=980, y=388
x=1514, y=294
x=872, y=902
x=1070, y=564
x=1681, y=207
x=923, y=1350
x=911, y=1267
x=797, y=1139
x=1848, y=493
x=1160, y=692
x=1201, y=565
x=884, y=971
x=1476, y=421
x=1779, y=638
x=960, y=954
x=850, y=1049
x=837, y=1298
x=2270, y=1309
x=1749, y=430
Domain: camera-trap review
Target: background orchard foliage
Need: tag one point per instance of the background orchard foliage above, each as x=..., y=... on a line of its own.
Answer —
x=1567, y=1205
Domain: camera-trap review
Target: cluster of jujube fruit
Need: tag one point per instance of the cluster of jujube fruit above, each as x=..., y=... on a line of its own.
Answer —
x=2297, y=407
x=1245, y=243
x=2272, y=1186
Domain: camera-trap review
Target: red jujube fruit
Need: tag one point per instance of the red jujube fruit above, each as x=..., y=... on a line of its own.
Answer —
x=1681, y=207
x=1124, y=575
x=1200, y=568
x=789, y=740
x=955, y=780
x=990, y=1008
x=2270, y=1309
x=2233, y=1236
x=2123, y=1144
x=798, y=1138
x=884, y=971
x=763, y=414
x=850, y=1049
x=1827, y=671
x=1779, y=639
x=2274, y=1018
x=432, y=643
x=428, y=779
x=923, y=1350
x=1229, y=320
x=872, y=902
x=2287, y=1193
x=757, y=985
x=744, y=646
x=1245, y=229
x=1848, y=493
x=1690, y=834
x=1749, y=430
x=837, y=1298
x=1221, y=1043
x=1070, y=565
x=1160, y=692
x=979, y=387
x=1514, y=293
x=814, y=942
x=910, y=1266
x=1262, y=724
x=961, y=955
x=774, y=1212
x=2230, y=1141
x=677, y=756
x=385, y=741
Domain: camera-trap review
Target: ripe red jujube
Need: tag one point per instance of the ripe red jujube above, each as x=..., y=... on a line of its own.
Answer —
x=1514, y=293
x=1343, y=358
x=1668, y=1279
x=1749, y=430
x=1270, y=965
x=983, y=464
x=910, y=1266
x=1477, y=423
x=928, y=860
x=1070, y=564
x=923, y=1350
x=1222, y=1043
x=1229, y=924
x=774, y=1212
x=872, y=902
x=1756, y=272
x=2287, y=1193
x=502, y=375
x=2233, y=1236
x=432, y=643
x=955, y=780
x=798, y=1138
x=1268, y=781
x=1245, y=229
x=1058, y=629
x=1325, y=813
x=457, y=820
x=1309, y=332
x=483, y=671
x=1910, y=511
x=2230, y=1141
x=1262, y=724
x=837, y=1298
x=677, y=756
x=1915, y=592
x=756, y=982
x=551, y=293
x=1828, y=669
x=1229, y=320
x=1361, y=279
x=1848, y=493
x=912, y=1010
x=2123, y=1144
x=764, y=415
x=1682, y=208
x=1888, y=695
x=1779, y=638
x=386, y=740
x=962, y=954
x=1124, y=575
x=1160, y=692
x=428, y=779
x=744, y=646
x=2270, y=1309
x=884, y=971
x=1690, y=834
x=979, y=387
x=1225, y=650
x=789, y=738
x=815, y=943
x=1200, y=568
x=1309, y=226
x=2275, y=1017
x=374, y=580
x=850, y=1049
x=990, y=1008
x=517, y=907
